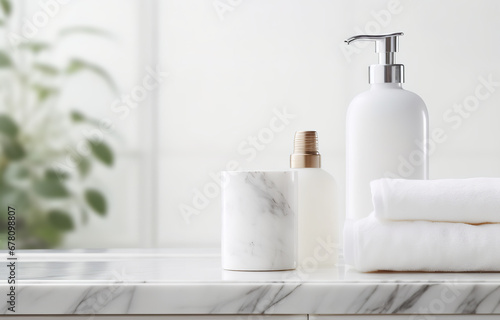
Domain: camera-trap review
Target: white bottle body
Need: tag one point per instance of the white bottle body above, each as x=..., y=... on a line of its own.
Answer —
x=318, y=219
x=387, y=136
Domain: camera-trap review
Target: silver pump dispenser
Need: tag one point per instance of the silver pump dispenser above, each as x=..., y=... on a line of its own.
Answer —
x=386, y=71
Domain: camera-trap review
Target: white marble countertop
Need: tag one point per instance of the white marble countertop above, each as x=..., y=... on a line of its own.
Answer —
x=167, y=281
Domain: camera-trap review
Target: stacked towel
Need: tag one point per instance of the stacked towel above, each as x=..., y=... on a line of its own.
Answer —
x=450, y=200
x=371, y=244
x=428, y=225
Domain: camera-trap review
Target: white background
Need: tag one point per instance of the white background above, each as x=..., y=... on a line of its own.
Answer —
x=232, y=64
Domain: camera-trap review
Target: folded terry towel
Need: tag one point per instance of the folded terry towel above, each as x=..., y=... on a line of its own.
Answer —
x=474, y=200
x=371, y=244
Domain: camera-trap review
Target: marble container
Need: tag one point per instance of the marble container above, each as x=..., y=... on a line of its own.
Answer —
x=259, y=220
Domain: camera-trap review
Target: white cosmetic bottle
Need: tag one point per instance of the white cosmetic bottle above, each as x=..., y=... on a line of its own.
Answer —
x=387, y=129
x=318, y=226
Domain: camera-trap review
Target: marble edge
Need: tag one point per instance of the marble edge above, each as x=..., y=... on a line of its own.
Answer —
x=271, y=298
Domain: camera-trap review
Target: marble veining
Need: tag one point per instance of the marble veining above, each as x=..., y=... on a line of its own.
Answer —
x=259, y=221
x=164, y=283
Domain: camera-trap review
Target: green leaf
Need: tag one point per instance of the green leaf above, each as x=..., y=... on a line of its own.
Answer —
x=102, y=152
x=5, y=60
x=44, y=92
x=45, y=236
x=56, y=174
x=13, y=150
x=84, y=30
x=34, y=46
x=96, y=201
x=51, y=188
x=8, y=126
x=74, y=66
x=46, y=69
x=14, y=197
x=21, y=173
x=61, y=220
x=6, y=7
x=84, y=166
x=77, y=116
x=78, y=65
x=20, y=201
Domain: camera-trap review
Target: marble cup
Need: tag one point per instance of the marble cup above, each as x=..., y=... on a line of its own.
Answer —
x=259, y=220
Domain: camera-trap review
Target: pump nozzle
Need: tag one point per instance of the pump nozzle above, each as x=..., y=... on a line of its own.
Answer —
x=387, y=71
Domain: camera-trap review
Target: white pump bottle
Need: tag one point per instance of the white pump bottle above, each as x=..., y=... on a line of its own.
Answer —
x=387, y=129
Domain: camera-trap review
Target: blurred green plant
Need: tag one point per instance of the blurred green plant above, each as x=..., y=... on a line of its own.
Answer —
x=37, y=136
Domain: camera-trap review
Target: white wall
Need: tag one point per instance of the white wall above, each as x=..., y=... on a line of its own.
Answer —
x=233, y=65
x=230, y=70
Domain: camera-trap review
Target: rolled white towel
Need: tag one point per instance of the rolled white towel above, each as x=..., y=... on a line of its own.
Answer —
x=473, y=201
x=372, y=245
